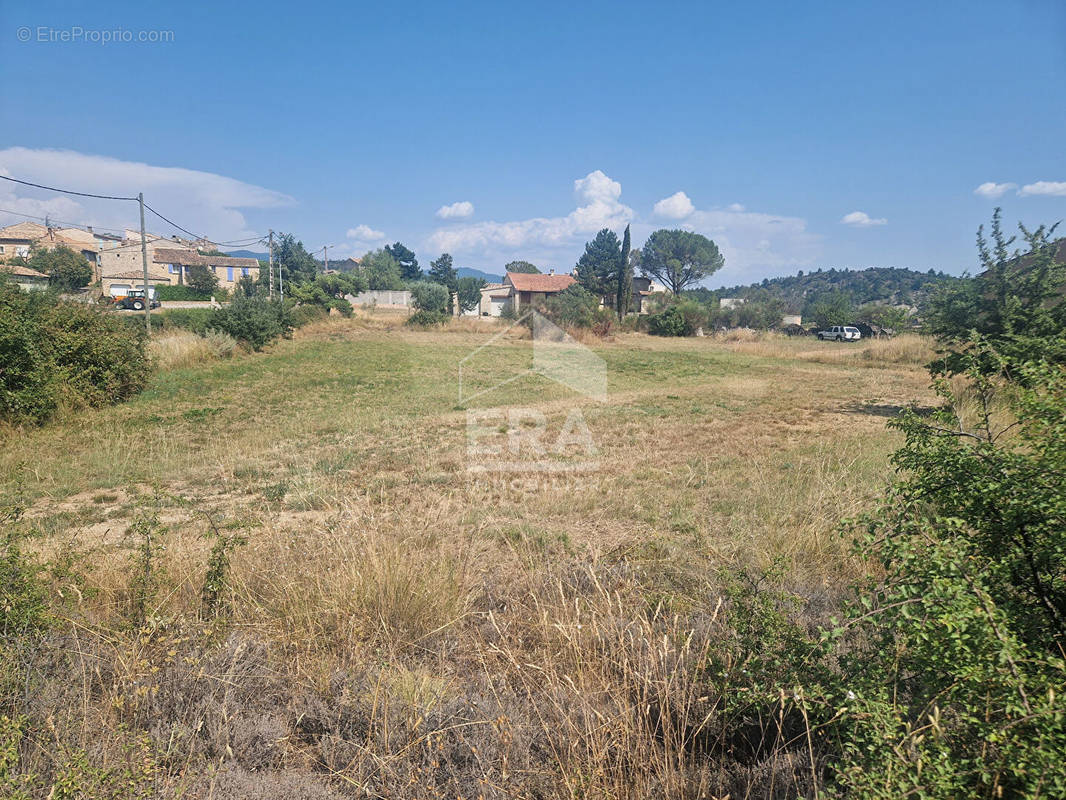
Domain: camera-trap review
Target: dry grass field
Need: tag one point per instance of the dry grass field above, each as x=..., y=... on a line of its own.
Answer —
x=278, y=578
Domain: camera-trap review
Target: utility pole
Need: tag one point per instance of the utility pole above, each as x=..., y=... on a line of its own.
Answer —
x=144, y=265
x=325, y=255
x=271, y=264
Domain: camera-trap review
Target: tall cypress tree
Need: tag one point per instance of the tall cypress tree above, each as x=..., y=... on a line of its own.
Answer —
x=624, y=293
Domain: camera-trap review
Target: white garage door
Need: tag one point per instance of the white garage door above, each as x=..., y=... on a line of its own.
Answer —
x=496, y=306
x=119, y=289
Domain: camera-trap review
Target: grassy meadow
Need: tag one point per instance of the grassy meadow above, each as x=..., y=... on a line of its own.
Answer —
x=277, y=578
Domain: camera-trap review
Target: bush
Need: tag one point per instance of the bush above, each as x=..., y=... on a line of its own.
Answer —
x=955, y=667
x=179, y=293
x=573, y=307
x=256, y=321
x=430, y=297
x=426, y=319
x=55, y=353
x=196, y=320
x=683, y=318
x=667, y=323
x=304, y=314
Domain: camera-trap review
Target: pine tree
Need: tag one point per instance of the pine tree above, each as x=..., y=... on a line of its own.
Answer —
x=441, y=271
x=409, y=269
x=597, y=269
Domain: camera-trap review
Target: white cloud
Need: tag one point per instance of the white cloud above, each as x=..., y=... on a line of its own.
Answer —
x=676, y=206
x=459, y=210
x=1050, y=188
x=860, y=219
x=364, y=233
x=993, y=190
x=754, y=244
x=600, y=207
x=203, y=202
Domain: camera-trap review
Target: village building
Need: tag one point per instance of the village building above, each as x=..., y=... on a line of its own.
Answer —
x=228, y=269
x=20, y=239
x=24, y=277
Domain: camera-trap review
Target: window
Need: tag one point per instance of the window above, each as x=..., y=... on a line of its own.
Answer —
x=229, y=273
x=172, y=268
x=1, y=249
x=244, y=271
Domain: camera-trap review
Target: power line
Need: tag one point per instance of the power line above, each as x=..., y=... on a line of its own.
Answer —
x=170, y=222
x=174, y=224
x=67, y=191
x=60, y=221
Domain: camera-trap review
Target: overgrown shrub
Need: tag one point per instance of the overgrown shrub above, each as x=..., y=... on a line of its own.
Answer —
x=426, y=319
x=431, y=297
x=669, y=322
x=682, y=318
x=187, y=293
x=196, y=320
x=54, y=352
x=574, y=307
x=953, y=665
x=304, y=314
x=257, y=321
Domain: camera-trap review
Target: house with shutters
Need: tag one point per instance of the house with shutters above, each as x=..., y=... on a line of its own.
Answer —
x=228, y=269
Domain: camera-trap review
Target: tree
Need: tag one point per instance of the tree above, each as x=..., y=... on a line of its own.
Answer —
x=1017, y=301
x=521, y=266
x=201, y=279
x=253, y=319
x=679, y=258
x=409, y=270
x=296, y=265
x=469, y=293
x=883, y=315
x=624, y=292
x=441, y=271
x=831, y=308
x=597, y=269
x=381, y=270
x=66, y=270
x=431, y=297
x=575, y=306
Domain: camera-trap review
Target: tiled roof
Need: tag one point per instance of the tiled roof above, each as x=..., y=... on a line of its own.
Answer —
x=189, y=259
x=23, y=230
x=22, y=272
x=533, y=282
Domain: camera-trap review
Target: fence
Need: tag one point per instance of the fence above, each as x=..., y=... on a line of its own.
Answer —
x=382, y=298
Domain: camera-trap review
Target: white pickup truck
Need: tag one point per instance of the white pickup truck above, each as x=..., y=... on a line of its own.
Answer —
x=840, y=333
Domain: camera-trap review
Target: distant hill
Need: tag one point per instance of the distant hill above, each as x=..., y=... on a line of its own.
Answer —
x=470, y=272
x=889, y=285
x=248, y=254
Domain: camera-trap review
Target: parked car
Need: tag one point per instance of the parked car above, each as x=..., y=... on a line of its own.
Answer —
x=840, y=333
x=135, y=299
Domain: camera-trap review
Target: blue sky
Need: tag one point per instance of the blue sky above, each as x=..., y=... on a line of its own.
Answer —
x=354, y=124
